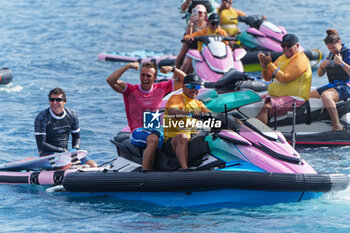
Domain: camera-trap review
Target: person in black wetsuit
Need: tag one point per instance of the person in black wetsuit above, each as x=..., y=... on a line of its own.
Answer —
x=53, y=126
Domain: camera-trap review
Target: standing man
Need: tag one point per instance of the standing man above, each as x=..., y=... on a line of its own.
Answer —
x=142, y=97
x=53, y=126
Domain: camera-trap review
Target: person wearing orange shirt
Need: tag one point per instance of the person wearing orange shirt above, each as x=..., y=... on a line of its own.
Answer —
x=177, y=114
x=213, y=28
x=291, y=78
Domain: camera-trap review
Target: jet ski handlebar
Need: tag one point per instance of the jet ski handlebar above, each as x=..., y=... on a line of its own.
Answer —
x=231, y=79
x=211, y=38
x=252, y=20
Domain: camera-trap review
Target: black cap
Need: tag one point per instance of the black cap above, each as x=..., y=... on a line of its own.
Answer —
x=192, y=79
x=214, y=17
x=290, y=38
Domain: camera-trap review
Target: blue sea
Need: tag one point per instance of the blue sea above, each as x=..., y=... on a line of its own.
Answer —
x=55, y=43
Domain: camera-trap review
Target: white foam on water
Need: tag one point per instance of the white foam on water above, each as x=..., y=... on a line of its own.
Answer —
x=10, y=88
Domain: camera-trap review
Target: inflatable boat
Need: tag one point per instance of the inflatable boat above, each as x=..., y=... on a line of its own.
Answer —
x=5, y=76
x=241, y=165
x=41, y=170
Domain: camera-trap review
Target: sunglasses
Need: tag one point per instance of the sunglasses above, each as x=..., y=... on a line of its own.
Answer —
x=193, y=86
x=57, y=99
x=147, y=75
x=288, y=45
x=214, y=23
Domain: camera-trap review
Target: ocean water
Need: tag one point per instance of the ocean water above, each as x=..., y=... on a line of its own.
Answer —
x=56, y=43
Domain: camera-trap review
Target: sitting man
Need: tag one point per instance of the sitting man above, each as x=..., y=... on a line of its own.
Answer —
x=291, y=78
x=53, y=126
x=178, y=108
x=213, y=28
x=146, y=96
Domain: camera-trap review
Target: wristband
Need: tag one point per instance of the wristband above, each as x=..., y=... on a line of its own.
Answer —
x=274, y=73
x=342, y=65
x=173, y=69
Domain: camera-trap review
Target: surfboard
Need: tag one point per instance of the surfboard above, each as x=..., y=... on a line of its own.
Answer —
x=45, y=162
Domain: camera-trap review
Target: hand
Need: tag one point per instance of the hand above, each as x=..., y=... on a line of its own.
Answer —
x=264, y=59
x=196, y=113
x=193, y=18
x=324, y=64
x=134, y=65
x=166, y=69
x=188, y=39
x=338, y=59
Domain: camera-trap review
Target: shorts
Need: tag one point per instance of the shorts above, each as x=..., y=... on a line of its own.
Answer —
x=138, y=137
x=282, y=104
x=168, y=149
x=84, y=160
x=342, y=89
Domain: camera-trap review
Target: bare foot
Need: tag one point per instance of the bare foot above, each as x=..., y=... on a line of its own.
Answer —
x=338, y=127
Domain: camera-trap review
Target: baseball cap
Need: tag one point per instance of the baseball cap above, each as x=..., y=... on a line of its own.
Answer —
x=201, y=8
x=290, y=38
x=214, y=17
x=192, y=79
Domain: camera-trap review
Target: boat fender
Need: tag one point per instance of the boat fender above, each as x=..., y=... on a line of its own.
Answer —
x=58, y=177
x=5, y=76
x=34, y=178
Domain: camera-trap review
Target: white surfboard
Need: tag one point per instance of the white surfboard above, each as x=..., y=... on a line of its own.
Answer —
x=45, y=162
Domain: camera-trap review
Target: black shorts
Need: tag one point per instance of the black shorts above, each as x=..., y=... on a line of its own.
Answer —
x=167, y=148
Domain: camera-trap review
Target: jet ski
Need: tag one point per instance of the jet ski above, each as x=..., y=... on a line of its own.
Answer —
x=265, y=36
x=261, y=35
x=312, y=124
x=232, y=164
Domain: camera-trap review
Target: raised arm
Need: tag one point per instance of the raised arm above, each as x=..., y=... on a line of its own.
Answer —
x=185, y=5
x=179, y=75
x=113, y=79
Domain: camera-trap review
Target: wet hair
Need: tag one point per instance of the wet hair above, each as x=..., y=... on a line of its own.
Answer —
x=150, y=65
x=332, y=36
x=58, y=91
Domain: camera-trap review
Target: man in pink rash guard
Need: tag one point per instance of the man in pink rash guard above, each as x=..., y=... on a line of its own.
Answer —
x=145, y=96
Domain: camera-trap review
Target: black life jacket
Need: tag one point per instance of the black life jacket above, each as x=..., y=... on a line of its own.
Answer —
x=336, y=72
x=194, y=3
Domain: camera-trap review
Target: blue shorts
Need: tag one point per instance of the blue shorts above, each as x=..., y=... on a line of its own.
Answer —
x=84, y=160
x=342, y=89
x=138, y=137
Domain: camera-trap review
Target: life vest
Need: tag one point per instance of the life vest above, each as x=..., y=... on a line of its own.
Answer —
x=228, y=21
x=298, y=87
x=194, y=3
x=336, y=72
